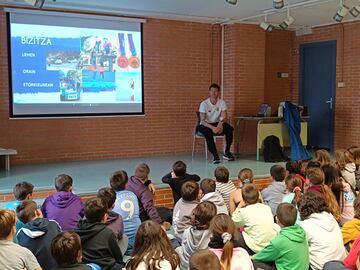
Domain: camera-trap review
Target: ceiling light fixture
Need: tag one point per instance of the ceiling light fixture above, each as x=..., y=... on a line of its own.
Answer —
x=341, y=13
x=355, y=11
x=288, y=21
x=266, y=26
x=35, y=3
x=232, y=2
x=278, y=4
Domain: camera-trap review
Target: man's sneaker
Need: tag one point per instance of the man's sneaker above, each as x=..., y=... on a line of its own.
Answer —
x=228, y=156
x=216, y=160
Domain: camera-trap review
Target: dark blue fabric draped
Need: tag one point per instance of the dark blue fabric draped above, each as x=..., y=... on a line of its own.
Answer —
x=293, y=123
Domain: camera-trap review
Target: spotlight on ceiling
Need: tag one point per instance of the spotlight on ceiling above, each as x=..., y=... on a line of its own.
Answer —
x=266, y=26
x=35, y=3
x=232, y=2
x=278, y=4
x=287, y=22
x=355, y=11
x=341, y=13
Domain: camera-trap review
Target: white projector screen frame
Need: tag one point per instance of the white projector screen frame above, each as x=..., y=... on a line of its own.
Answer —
x=74, y=65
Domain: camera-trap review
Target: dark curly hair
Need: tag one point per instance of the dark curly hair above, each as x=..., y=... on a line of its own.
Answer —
x=312, y=202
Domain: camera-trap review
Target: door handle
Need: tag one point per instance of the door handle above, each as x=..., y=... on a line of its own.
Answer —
x=330, y=101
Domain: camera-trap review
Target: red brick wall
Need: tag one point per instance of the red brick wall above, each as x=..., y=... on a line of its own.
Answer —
x=181, y=59
x=277, y=59
x=244, y=75
x=347, y=107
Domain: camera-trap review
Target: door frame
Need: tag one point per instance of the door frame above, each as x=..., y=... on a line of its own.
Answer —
x=332, y=44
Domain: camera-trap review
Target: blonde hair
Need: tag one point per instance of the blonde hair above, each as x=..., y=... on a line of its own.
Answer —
x=343, y=157
x=7, y=222
x=323, y=157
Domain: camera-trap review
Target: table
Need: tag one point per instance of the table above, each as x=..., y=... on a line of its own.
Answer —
x=266, y=126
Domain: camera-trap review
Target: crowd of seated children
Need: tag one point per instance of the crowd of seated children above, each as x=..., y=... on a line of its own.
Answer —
x=113, y=221
x=256, y=220
x=99, y=243
x=198, y=235
x=177, y=177
x=346, y=164
x=126, y=205
x=289, y=249
x=13, y=256
x=208, y=193
x=152, y=249
x=138, y=184
x=22, y=191
x=316, y=240
x=223, y=185
x=37, y=233
x=322, y=230
x=223, y=244
x=274, y=193
x=67, y=252
x=204, y=259
x=184, y=207
x=351, y=229
x=293, y=192
x=63, y=206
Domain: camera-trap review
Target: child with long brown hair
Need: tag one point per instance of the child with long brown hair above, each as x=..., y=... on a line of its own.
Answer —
x=222, y=244
x=344, y=194
x=316, y=179
x=346, y=164
x=323, y=157
x=152, y=249
x=355, y=152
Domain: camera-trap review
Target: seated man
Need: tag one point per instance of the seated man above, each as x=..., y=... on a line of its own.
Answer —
x=213, y=117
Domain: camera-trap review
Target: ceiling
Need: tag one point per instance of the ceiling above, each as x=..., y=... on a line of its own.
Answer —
x=305, y=12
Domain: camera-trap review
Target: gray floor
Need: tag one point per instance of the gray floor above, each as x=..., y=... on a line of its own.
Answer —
x=89, y=176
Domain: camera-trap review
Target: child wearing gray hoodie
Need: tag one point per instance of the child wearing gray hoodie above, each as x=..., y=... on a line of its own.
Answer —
x=208, y=193
x=197, y=236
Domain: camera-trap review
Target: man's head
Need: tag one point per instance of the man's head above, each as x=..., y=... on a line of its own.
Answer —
x=286, y=214
x=179, y=168
x=23, y=191
x=66, y=248
x=108, y=196
x=28, y=211
x=142, y=171
x=214, y=91
x=189, y=191
x=221, y=174
x=7, y=224
x=63, y=182
x=95, y=210
x=118, y=180
x=207, y=185
x=278, y=173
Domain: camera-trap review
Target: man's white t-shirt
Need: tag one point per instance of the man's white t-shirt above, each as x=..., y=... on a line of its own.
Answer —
x=212, y=112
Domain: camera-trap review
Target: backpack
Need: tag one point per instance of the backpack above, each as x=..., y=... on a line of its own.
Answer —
x=272, y=149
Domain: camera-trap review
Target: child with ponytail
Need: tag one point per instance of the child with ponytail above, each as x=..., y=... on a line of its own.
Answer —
x=222, y=244
x=293, y=189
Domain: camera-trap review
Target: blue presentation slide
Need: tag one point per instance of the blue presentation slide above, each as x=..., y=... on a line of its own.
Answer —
x=52, y=64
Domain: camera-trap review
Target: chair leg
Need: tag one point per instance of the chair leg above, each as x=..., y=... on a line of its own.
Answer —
x=193, y=149
x=206, y=150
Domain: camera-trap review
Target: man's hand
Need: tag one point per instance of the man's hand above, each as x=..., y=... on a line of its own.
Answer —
x=152, y=188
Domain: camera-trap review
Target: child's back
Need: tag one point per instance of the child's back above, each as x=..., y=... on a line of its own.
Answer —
x=223, y=184
x=63, y=206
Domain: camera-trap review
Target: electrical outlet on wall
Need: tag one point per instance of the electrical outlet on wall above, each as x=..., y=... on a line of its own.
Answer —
x=341, y=84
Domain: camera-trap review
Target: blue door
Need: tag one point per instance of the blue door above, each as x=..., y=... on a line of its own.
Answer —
x=317, y=80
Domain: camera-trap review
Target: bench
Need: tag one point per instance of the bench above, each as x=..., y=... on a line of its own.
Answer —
x=7, y=153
